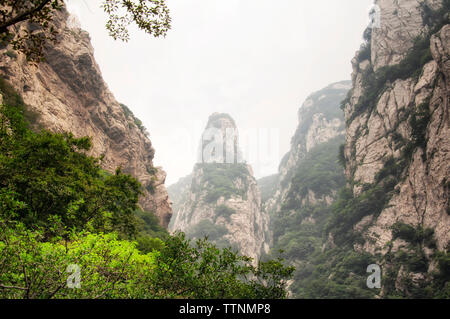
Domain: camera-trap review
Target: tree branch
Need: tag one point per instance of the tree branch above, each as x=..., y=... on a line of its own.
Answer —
x=23, y=16
x=12, y=287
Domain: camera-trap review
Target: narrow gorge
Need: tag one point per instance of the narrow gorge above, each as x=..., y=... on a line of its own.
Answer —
x=363, y=185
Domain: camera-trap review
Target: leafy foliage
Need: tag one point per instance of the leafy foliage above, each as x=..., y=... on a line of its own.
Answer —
x=37, y=33
x=59, y=208
x=413, y=235
x=225, y=211
x=268, y=186
x=112, y=268
x=220, y=180
x=334, y=274
x=33, y=268
x=203, y=271
x=36, y=17
x=129, y=115
x=152, y=16
x=51, y=176
x=319, y=172
x=364, y=52
x=419, y=121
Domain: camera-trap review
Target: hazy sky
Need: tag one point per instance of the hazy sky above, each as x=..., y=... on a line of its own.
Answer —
x=255, y=59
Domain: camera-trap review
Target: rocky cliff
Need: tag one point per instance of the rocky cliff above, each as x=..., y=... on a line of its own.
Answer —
x=386, y=127
x=222, y=201
x=320, y=121
x=178, y=194
x=394, y=210
x=66, y=92
x=398, y=142
x=308, y=181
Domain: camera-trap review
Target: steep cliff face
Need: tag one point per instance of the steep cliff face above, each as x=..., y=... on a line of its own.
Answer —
x=388, y=128
x=320, y=121
x=66, y=92
x=223, y=201
x=397, y=136
x=178, y=194
x=308, y=181
x=394, y=210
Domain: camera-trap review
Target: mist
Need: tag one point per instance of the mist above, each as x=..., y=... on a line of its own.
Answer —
x=256, y=60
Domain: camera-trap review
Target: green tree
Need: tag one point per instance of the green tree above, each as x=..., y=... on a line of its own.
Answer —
x=112, y=268
x=52, y=176
x=203, y=271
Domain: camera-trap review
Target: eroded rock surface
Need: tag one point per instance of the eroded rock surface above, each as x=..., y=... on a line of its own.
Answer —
x=222, y=200
x=67, y=93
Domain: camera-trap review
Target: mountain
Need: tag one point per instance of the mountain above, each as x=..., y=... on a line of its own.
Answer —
x=222, y=200
x=66, y=92
x=392, y=212
x=320, y=121
x=397, y=147
x=299, y=197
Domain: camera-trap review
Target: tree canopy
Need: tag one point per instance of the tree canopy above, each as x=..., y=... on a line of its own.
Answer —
x=61, y=213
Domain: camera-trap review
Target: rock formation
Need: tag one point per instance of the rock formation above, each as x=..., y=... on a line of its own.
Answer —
x=222, y=201
x=398, y=137
x=66, y=92
x=320, y=120
x=300, y=195
x=394, y=211
x=386, y=131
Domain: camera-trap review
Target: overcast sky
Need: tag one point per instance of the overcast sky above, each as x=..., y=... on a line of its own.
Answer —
x=257, y=60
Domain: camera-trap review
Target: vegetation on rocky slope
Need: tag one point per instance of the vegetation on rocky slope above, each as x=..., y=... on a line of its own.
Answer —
x=220, y=180
x=59, y=212
x=335, y=266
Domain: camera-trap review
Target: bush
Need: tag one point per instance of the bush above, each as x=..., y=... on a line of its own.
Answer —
x=419, y=121
x=147, y=244
x=364, y=52
x=129, y=115
x=225, y=211
x=219, y=180
x=52, y=177
x=404, y=231
x=392, y=168
x=417, y=236
x=110, y=268
x=348, y=210
x=148, y=224
x=319, y=172
x=341, y=157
